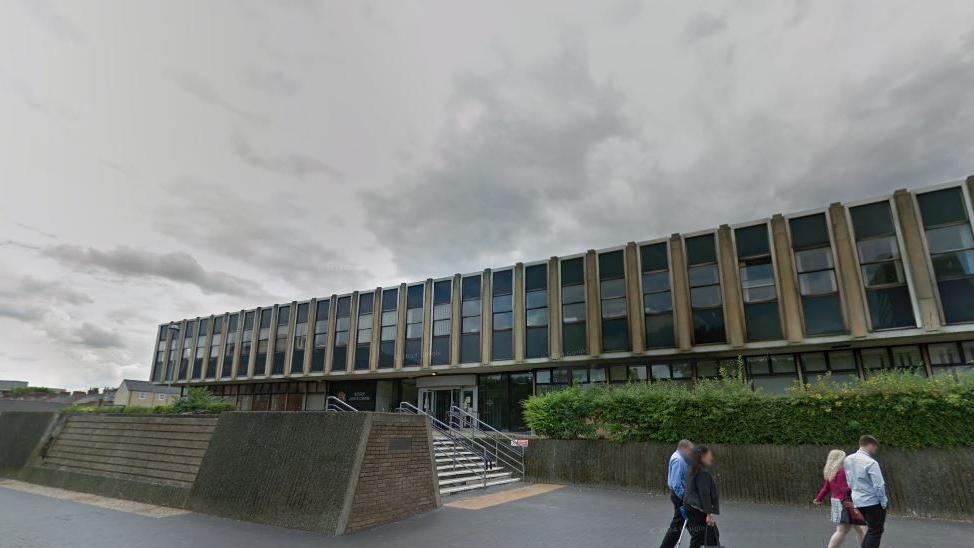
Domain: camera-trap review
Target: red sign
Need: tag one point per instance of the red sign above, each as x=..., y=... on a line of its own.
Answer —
x=519, y=443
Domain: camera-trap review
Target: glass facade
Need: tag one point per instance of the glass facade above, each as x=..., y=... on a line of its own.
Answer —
x=612, y=293
x=835, y=366
x=657, y=295
x=500, y=398
x=280, y=339
x=536, y=311
x=471, y=318
x=389, y=323
x=363, y=338
x=263, y=341
x=442, y=322
x=300, y=344
x=200, y=352
x=231, y=349
x=343, y=315
x=413, y=354
x=573, y=330
x=758, y=288
x=706, y=300
x=951, y=246
x=320, y=343
x=159, y=360
x=215, y=341
x=502, y=315
x=881, y=264
x=246, y=344
x=817, y=283
x=187, y=348
x=952, y=358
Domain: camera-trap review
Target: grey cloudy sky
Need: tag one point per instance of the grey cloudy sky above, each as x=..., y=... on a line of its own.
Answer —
x=168, y=159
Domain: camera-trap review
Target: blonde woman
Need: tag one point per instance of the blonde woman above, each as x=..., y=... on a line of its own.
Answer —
x=844, y=515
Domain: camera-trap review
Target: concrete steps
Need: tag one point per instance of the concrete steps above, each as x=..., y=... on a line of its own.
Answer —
x=458, y=469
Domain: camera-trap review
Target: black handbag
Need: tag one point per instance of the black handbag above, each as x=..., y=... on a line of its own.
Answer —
x=706, y=542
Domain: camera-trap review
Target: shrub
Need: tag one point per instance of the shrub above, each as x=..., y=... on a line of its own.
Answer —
x=197, y=400
x=901, y=409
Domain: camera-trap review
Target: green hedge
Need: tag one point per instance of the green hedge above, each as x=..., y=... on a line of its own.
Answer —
x=196, y=400
x=901, y=409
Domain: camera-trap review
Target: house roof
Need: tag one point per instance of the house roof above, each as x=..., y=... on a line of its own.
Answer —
x=146, y=386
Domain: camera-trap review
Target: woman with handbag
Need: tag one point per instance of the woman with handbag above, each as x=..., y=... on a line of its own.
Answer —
x=844, y=513
x=701, y=500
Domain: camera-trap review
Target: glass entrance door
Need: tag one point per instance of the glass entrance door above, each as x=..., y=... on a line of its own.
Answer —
x=437, y=401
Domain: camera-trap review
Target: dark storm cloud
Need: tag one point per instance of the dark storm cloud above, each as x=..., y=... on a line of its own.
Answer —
x=281, y=236
x=202, y=89
x=298, y=166
x=92, y=336
x=129, y=262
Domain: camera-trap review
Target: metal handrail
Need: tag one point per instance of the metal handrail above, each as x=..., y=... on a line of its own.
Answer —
x=458, y=441
x=333, y=403
x=509, y=452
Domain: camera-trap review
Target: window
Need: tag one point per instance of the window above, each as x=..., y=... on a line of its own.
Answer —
x=215, y=341
x=414, y=326
x=838, y=366
x=550, y=380
x=657, y=295
x=228, y=353
x=320, y=343
x=706, y=301
x=159, y=362
x=501, y=397
x=442, y=322
x=280, y=341
x=612, y=292
x=470, y=319
x=246, y=343
x=955, y=359
x=198, y=356
x=502, y=311
x=757, y=283
x=389, y=323
x=772, y=374
x=536, y=313
x=951, y=246
x=300, y=339
x=340, y=352
x=162, y=397
x=174, y=352
x=896, y=357
x=887, y=294
x=263, y=341
x=816, y=275
x=574, y=338
x=675, y=371
x=141, y=395
x=363, y=340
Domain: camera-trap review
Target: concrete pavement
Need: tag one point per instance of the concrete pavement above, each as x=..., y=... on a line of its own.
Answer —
x=569, y=517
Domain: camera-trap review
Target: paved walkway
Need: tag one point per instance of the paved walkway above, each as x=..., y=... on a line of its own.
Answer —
x=566, y=518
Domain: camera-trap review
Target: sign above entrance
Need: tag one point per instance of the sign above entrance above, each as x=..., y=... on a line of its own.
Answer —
x=519, y=443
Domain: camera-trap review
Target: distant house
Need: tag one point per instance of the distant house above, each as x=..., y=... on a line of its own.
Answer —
x=8, y=385
x=144, y=394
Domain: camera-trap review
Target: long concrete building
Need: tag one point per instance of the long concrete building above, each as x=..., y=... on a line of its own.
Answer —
x=883, y=283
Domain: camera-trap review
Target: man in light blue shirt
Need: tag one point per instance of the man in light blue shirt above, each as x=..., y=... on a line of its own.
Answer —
x=676, y=481
x=868, y=489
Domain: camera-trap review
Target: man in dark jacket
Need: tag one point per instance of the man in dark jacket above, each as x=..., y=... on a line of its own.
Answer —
x=676, y=478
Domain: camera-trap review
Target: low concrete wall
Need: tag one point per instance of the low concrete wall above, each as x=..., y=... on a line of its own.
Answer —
x=21, y=436
x=929, y=483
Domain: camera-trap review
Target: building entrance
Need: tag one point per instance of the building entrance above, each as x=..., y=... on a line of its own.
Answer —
x=438, y=393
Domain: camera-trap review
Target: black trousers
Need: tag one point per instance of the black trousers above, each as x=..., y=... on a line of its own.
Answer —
x=673, y=533
x=876, y=520
x=701, y=534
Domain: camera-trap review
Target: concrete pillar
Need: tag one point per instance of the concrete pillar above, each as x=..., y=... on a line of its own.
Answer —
x=349, y=364
x=519, y=313
x=427, y=323
x=915, y=258
x=634, y=296
x=787, y=280
x=376, y=329
x=848, y=271
x=486, y=317
x=309, y=343
x=455, y=319
x=682, y=314
x=254, y=334
x=235, y=366
x=292, y=326
x=593, y=314
x=401, y=327
x=554, y=309
x=731, y=287
x=332, y=326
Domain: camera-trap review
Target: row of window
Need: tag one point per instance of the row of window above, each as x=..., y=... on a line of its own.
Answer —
x=947, y=234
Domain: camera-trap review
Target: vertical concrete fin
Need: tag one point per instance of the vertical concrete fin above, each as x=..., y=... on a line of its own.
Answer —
x=593, y=315
x=554, y=309
x=731, y=285
x=682, y=316
x=634, y=298
x=787, y=281
x=848, y=269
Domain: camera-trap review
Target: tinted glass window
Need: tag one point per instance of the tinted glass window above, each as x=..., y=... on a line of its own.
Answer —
x=752, y=241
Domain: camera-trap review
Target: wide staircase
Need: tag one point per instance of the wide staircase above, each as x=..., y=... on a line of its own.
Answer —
x=471, y=454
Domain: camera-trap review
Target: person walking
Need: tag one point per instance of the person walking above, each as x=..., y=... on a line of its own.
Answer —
x=868, y=489
x=676, y=481
x=836, y=485
x=702, y=500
